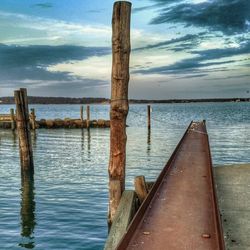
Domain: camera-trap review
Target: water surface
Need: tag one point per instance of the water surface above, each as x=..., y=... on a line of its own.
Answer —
x=65, y=207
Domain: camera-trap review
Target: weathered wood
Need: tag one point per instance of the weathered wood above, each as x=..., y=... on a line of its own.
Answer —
x=114, y=198
x=88, y=116
x=81, y=114
x=141, y=187
x=23, y=130
x=33, y=119
x=125, y=213
x=150, y=185
x=13, y=123
x=119, y=100
x=149, y=117
x=72, y=123
x=5, y=118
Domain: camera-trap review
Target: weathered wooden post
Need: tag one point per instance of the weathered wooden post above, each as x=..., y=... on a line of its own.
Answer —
x=12, y=115
x=149, y=117
x=81, y=115
x=119, y=103
x=88, y=116
x=33, y=119
x=141, y=188
x=23, y=130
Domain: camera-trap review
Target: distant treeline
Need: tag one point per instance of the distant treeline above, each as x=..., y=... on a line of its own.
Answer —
x=92, y=100
x=55, y=100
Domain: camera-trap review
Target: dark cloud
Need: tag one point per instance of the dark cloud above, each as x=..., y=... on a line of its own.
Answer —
x=192, y=76
x=185, y=42
x=199, y=62
x=228, y=16
x=159, y=3
x=148, y=7
x=40, y=55
x=43, y=5
x=96, y=11
x=229, y=77
x=30, y=62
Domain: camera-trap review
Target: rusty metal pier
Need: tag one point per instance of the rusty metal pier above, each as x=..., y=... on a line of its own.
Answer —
x=180, y=211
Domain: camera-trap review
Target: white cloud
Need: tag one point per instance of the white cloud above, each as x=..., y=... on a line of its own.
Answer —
x=93, y=67
x=29, y=30
x=32, y=30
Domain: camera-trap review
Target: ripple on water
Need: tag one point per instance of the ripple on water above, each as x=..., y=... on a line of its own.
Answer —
x=66, y=206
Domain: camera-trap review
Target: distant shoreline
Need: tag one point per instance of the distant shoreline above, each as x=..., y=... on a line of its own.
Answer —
x=92, y=100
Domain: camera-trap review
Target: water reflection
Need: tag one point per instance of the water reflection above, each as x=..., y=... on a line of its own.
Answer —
x=34, y=138
x=28, y=220
x=149, y=142
x=14, y=138
x=89, y=142
x=82, y=140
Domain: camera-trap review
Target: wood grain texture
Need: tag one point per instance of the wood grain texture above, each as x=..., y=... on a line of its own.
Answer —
x=23, y=130
x=119, y=98
x=141, y=187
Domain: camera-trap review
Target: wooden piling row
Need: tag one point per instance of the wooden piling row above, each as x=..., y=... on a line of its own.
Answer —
x=9, y=121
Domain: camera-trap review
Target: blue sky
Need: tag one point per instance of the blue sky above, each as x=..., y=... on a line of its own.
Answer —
x=180, y=48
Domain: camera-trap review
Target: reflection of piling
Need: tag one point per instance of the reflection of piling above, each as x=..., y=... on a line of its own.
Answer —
x=81, y=115
x=149, y=141
x=119, y=103
x=149, y=117
x=23, y=130
x=14, y=138
x=33, y=119
x=12, y=117
x=88, y=116
x=82, y=140
x=89, y=143
x=27, y=210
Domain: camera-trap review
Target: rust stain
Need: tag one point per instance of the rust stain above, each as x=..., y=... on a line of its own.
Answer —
x=181, y=209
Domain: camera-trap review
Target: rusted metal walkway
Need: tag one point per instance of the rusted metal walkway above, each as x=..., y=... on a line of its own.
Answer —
x=180, y=212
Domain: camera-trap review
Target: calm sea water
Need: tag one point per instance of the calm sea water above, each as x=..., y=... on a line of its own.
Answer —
x=66, y=206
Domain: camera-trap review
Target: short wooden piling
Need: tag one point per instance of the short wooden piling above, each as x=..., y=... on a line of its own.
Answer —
x=141, y=187
x=119, y=103
x=81, y=114
x=23, y=130
x=149, y=117
x=33, y=119
x=88, y=116
x=12, y=115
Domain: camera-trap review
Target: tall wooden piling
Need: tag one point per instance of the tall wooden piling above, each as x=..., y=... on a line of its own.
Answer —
x=88, y=116
x=119, y=103
x=12, y=116
x=149, y=117
x=23, y=130
x=33, y=119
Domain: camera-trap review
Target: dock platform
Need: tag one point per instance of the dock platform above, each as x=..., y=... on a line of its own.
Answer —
x=233, y=191
x=180, y=211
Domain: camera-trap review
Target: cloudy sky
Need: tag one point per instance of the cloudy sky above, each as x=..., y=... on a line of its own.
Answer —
x=180, y=48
